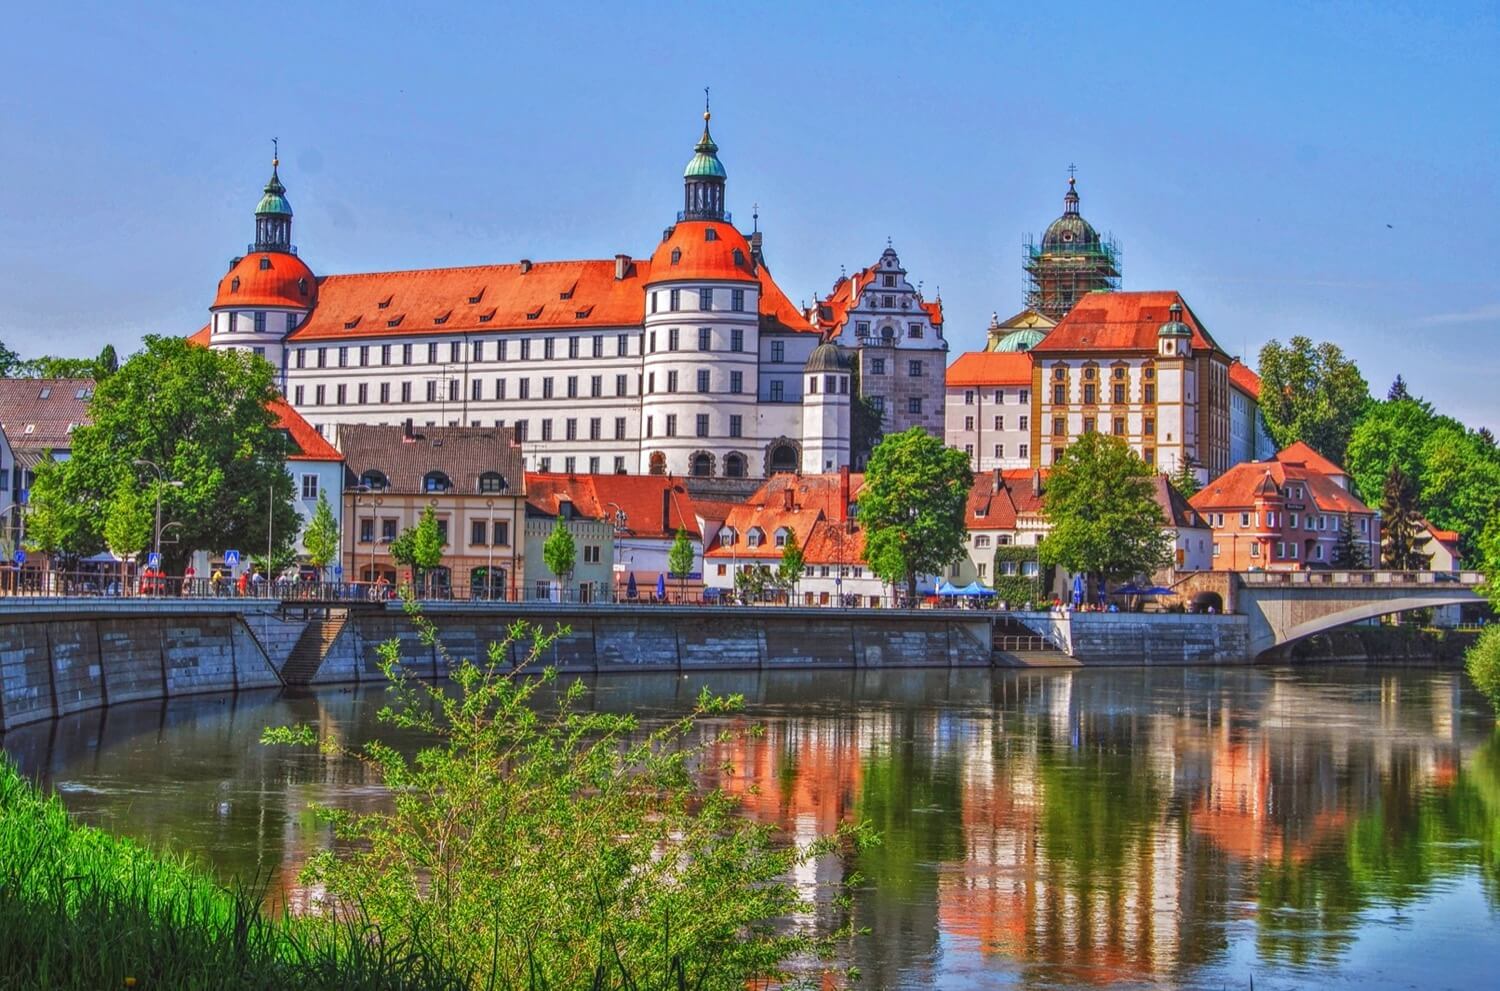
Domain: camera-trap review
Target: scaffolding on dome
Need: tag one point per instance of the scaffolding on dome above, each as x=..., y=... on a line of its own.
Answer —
x=1057, y=279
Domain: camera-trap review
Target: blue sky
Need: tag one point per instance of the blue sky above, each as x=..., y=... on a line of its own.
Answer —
x=1322, y=169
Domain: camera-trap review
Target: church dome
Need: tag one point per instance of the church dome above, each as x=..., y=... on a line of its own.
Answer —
x=705, y=161
x=703, y=249
x=1070, y=232
x=1021, y=340
x=826, y=357
x=267, y=279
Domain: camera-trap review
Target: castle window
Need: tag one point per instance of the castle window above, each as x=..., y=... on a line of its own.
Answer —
x=384, y=303
x=710, y=234
x=260, y=323
x=534, y=314
x=487, y=317
x=441, y=319
x=351, y=324
x=302, y=286
x=705, y=299
x=676, y=255
x=474, y=299
x=739, y=258
x=265, y=263
x=568, y=292
x=395, y=321
x=234, y=284
x=888, y=281
x=436, y=481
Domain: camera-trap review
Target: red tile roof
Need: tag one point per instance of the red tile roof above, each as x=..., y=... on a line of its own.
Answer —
x=1119, y=321
x=1242, y=378
x=833, y=310
x=1239, y=487
x=704, y=249
x=984, y=368
x=268, y=278
x=310, y=444
x=998, y=503
x=639, y=497
x=1302, y=453
x=814, y=501
x=200, y=336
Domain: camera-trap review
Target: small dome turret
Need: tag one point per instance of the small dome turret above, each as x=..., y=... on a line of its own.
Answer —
x=826, y=357
x=273, y=214
x=1021, y=340
x=1174, y=327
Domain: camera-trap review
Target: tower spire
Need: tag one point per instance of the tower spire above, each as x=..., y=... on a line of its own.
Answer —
x=703, y=179
x=1070, y=198
x=273, y=214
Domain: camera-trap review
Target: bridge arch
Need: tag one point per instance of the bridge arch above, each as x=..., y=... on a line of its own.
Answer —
x=1279, y=620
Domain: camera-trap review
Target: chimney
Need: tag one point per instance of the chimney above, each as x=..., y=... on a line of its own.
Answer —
x=842, y=509
x=999, y=481
x=622, y=267
x=1036, y=481
x=666, y=510
x=525, y=265
x=788, y=498
x=407, y=436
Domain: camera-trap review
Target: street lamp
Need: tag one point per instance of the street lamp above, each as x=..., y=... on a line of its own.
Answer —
x=161, y=481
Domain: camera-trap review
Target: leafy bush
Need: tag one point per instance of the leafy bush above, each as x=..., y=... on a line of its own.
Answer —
x=544, y=845
x=1483, y=662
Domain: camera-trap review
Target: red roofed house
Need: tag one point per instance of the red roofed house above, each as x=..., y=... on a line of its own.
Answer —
x=988, y=409
x=644, y=513
x=690, y=361
x=1284, y=514
x=820, y=511
x=897, y=340
x=316, y=467
x=1140, y=366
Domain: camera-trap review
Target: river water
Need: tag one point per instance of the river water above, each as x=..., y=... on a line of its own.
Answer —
x=1165, y=828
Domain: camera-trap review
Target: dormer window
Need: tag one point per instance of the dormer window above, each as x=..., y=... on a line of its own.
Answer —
x=45, y=393
x=676, y=255
x=234, y=284
x=474, y=299
x=436, y=481
x=442, y=319
x=568, y=292
x=728, y=536
x=302, y=286
x=384, y=303
x=739, y=258
x=583, y=313
x=755, y=537
x=351, y=324
x=374, y=480
x=265, y=262
x=534, y=314
x=781, y=533
x=395, y=321
x=710, y=234
x=487, y=317
x=491, y=482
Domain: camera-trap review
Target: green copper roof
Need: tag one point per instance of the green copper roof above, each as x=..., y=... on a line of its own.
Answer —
x=1021, y=340
x=274, y=201
x=1174, y=327
x=705, y=163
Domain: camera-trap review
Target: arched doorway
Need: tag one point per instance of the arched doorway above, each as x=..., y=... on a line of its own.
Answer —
x=734, y=465
x=783, y=455
x=701, y=465
x=487, y=584
x=658, y=463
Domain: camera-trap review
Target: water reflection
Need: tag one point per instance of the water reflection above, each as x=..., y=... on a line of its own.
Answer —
x=1178, y=827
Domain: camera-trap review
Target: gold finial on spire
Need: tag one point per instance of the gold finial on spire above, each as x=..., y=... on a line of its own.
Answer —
x=275, y=153
x=706, y=114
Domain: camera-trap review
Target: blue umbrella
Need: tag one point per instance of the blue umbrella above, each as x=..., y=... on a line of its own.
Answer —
x=630, y=590
x=947, y=588
x=661, y=586
x=974, y=588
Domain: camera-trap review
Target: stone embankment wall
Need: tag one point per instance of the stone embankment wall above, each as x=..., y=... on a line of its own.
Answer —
x=53, y=666
x=664, y=638
x=1099, y=639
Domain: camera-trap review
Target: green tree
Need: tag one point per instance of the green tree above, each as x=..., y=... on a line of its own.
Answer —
x=1311, y=392
x=419, y=547
x=203, y=418
x=9, y=362
x=865, y=420
x=321, y=537
x=750, y=583
x=1483, y=663
x=542, y=842
x=128, y=521
x=1348, y=549
x=792, y=563
x=1402, y=532
x=1101, y=504
x=680, y=559
x=1185, y=479
x=912, y=507
x=560, y=552
x=107, y=363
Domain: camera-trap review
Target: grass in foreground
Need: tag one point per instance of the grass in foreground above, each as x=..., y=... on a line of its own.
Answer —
x=81, y=909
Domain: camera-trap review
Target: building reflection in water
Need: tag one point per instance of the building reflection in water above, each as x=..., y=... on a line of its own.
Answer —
x=1069, y=828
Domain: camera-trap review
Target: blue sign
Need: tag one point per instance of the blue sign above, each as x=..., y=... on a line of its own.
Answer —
x=25, y=496
x=232, y=558
x=338, y=571
x=20, y=558
x=153, y=561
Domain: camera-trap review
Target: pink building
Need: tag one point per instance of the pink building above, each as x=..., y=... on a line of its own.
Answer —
x=1284, y=514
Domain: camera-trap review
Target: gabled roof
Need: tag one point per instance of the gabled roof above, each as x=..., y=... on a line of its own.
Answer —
x=1244, y=379
x=833, y=310
x=461, y=453
x=1120, y=322
x=1302, y=453
x=1241, y=486
x=799, y=503
x=985, y=368
x=997, y=501
x=654, y=506
x=41, y=414
x=310, y=445
x=1177, y=510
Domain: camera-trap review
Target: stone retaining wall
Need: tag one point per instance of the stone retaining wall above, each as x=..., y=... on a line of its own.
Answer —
x=1145, y=638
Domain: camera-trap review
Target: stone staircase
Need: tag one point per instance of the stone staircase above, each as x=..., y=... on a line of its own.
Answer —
x=307, y=654
x=1015, y=645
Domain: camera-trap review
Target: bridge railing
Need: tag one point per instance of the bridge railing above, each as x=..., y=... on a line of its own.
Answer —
x=1377, y=578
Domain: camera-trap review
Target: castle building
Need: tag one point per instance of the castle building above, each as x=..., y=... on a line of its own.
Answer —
x=989, y=409
x=689, y=362
x=1071, y=261
x=1140, y=366
x=895, y=338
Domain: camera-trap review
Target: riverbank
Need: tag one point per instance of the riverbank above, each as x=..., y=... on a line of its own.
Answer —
x=81, y=909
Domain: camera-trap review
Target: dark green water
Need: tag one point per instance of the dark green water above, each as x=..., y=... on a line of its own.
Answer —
x=1122, y=828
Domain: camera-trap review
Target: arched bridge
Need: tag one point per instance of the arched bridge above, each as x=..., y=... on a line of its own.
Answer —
x=1284, y=606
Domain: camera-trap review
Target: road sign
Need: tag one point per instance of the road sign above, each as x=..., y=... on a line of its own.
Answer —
x=20, y=558
x=25, y=496
x=153, y=561
x=338, y=571
x=232, y=558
